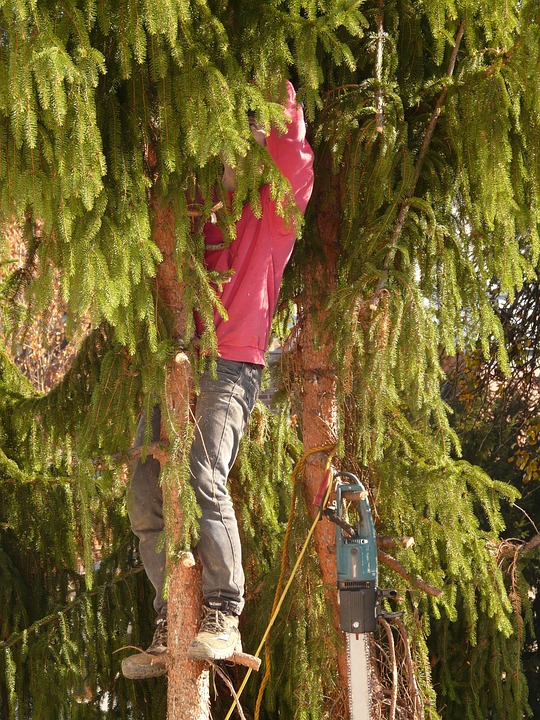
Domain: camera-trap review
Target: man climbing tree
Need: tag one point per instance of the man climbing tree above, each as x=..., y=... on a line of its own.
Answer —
x=115, y=120
x=252, y=267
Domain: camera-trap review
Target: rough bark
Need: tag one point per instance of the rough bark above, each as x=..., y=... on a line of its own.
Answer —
x=318, y=383
x=188, y=688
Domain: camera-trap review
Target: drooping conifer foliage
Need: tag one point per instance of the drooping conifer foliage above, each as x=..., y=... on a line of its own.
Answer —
x=425, y=123
x=496, y=417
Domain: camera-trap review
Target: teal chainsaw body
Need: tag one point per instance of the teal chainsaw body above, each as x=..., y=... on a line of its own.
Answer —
x=357, y=570
x=357, y=582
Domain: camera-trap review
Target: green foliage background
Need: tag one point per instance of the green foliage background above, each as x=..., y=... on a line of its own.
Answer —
x=427, y=114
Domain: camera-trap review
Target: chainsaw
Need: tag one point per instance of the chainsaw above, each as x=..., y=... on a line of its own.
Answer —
x=357, y=582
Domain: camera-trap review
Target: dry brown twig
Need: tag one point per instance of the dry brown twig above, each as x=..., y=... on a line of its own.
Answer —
x=395, y=693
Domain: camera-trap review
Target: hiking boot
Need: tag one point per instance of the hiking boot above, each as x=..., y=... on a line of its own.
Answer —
x=152, y=662
x=218, y=637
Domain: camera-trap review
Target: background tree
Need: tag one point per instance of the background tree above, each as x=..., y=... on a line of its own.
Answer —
x=425, y=123
x=496, y=418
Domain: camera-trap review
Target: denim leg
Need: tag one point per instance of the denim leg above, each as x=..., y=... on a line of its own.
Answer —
x=145, y=509
x=221, y=415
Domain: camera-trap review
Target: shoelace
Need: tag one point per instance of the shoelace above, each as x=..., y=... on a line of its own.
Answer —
x=160, y=633
x=213, y=621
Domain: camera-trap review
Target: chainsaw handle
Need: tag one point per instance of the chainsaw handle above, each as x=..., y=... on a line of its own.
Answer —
x=366, y=529
x=344, y=473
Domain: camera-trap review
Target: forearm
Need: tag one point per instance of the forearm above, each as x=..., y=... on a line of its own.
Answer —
x=291, y=152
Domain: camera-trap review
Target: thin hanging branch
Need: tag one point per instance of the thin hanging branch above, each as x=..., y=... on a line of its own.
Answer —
x=392, y=653
x=411, y=677
x=229, y=684
x=428, y=137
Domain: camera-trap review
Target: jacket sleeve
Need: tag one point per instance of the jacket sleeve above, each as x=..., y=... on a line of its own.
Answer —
x=291, y=151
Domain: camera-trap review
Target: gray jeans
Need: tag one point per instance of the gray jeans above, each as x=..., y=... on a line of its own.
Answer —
x=222, y=412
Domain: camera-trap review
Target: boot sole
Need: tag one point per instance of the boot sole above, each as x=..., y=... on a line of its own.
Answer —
x=201, y=653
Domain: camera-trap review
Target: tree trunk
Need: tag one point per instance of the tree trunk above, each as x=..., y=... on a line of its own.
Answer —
x=188, y=696
x=318, y=380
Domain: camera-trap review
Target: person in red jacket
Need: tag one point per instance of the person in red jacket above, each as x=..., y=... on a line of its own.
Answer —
x=256, y=259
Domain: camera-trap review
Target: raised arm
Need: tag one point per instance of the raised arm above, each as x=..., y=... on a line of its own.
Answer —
x=291, y=151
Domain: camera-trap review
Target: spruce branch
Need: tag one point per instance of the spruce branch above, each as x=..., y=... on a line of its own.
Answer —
x=17, y=637
x=417, y=582
x=509, y=548
x=340, y=88
x=533, y=544
x=422, y=153
x=386, y=542
x=159, y=450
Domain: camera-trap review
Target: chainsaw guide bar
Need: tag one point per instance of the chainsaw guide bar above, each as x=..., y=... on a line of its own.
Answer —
x=359, y=672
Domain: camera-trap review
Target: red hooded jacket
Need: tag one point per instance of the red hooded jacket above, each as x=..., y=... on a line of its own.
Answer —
x=262, y=247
